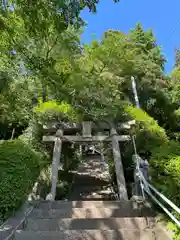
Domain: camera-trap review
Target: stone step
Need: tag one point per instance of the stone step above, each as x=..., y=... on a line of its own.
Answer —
x=91, y=235
x=92, y=197
x=124, y=205
x=94, y=179
x=92, y=188
x=84, y=193
x=91, y=213
x=92, y=183
x=87, y=224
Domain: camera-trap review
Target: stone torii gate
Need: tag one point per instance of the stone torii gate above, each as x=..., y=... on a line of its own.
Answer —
x=87, y=137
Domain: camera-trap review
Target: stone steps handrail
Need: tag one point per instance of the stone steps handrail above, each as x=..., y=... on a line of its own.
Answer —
x=147, y=188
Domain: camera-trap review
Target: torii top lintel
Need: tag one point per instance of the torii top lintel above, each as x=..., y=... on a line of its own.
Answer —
x=87, y=134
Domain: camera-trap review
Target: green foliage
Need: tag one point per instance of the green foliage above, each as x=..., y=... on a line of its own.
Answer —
x=107, y=68
x=16, y=102
x=146, y=42
x=165, y=169
x=65, y=72
x=50, y=15
x=166, y=151
x=47, y=48
x=32, y=136
x=137, y=54
x=160, y=106
x=177, y=57
x=19, y=169
x=175, y=86
x=52, y=110
x=149, y=134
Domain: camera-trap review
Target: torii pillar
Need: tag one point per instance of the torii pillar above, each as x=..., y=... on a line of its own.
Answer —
x=55, y=163
x=118, y=166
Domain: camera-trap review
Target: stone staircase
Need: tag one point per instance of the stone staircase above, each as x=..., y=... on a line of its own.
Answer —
x=92, y=181
x=90, y=214
x=91, y=220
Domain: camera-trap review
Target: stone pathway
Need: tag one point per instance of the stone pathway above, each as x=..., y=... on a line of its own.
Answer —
x=92, y=181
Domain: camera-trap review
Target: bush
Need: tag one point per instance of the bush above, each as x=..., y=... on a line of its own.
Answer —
x=165, y=171
x=149, y=134
x=174, y=134
x=19, y=169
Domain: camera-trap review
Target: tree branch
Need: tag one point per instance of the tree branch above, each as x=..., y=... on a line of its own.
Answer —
x=51, y=48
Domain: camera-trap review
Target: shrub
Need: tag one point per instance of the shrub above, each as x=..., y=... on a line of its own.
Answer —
x=149, y=134
x=19, y=169
x=165, y=172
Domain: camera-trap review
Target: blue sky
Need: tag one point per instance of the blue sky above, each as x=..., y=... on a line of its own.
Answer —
x=160, y=15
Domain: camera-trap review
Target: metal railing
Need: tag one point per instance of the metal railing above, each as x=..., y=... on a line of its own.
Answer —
x=145, y=187
x=20, y=224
